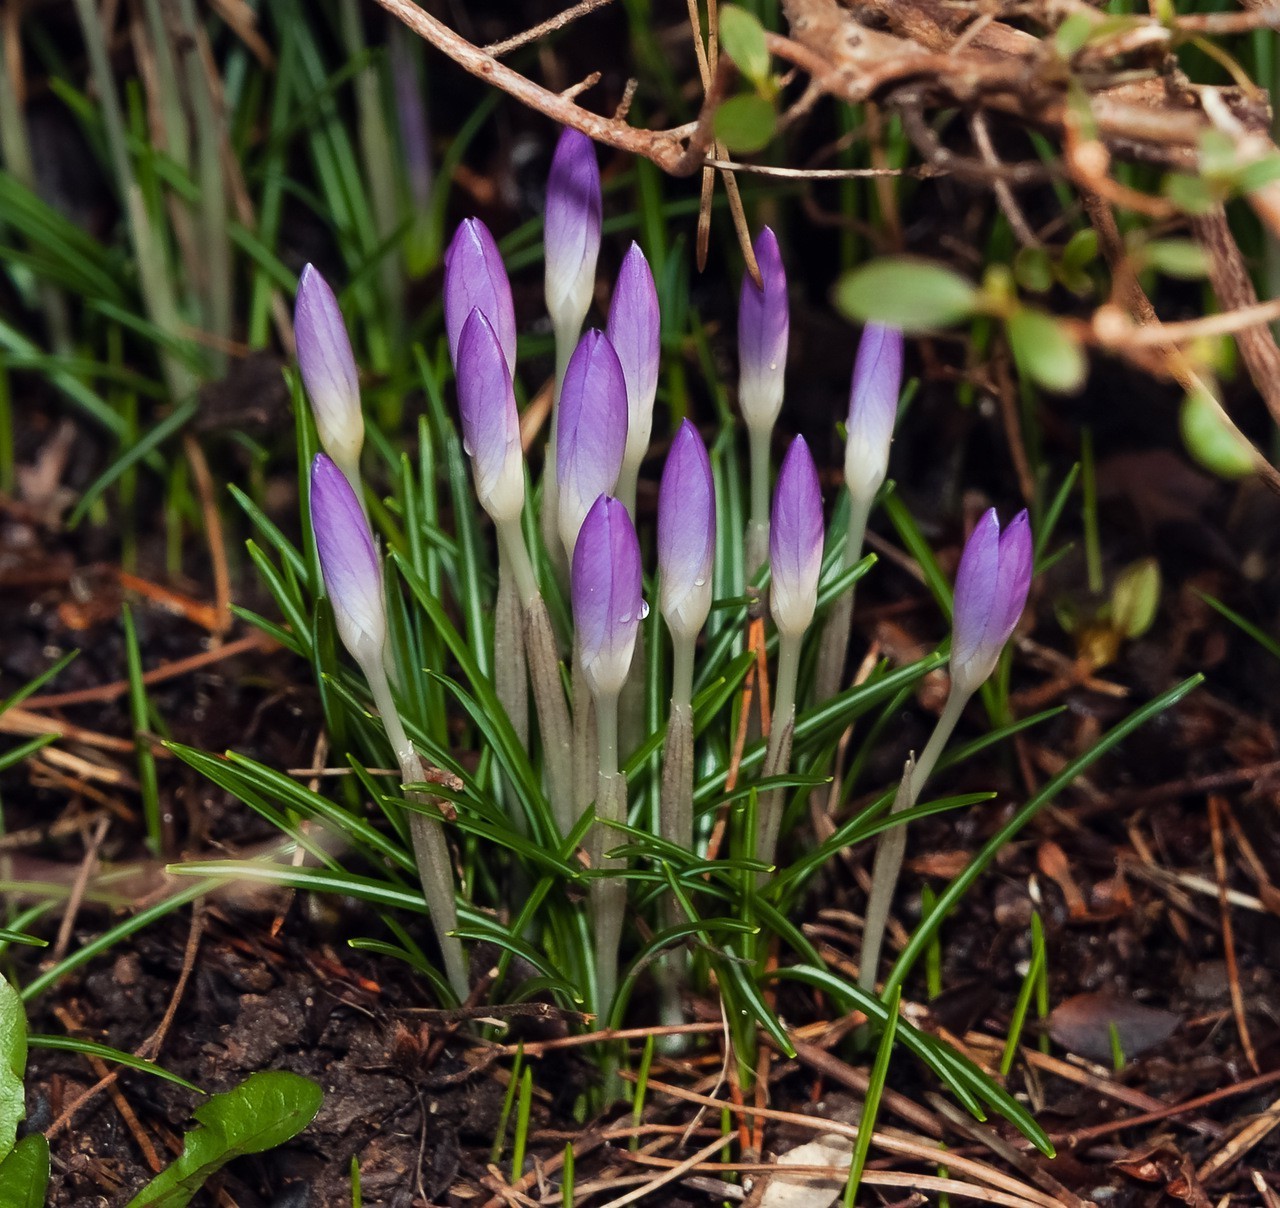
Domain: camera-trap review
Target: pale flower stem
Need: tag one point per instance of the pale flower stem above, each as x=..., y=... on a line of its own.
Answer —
x=585, y=732
x=778, y=753
x=430, y=851
x=833, y=649
x=631, y=704
x=510, y=671
x=549, y=520
x=676, y=826
x=628, y=484
x=892, y=844
x=758, y=442
x=608, y=894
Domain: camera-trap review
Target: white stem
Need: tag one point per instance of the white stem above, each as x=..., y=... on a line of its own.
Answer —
x=758, y=443
x=833, y=649
x=430, y=851
x=585, y=733
x=892, y=844
x=608, y=893
x=778, y=753
x=553, y=712
x=675, y=815
x=510, y=671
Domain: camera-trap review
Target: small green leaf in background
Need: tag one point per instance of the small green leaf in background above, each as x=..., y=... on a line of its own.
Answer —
x=264, y=1111
x=13, y=1063
x=746, y=123
x=1135, y=596
x=24, y=1174
x=1209, y=439
x=1175, y=258
x=1033, y=269
x=1192, y=194
x=1258, y=173
x=742, y=39
x=1046, y=351
x=905, y=292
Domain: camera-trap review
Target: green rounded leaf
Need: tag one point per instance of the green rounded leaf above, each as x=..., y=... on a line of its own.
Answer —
x=1033, y=269
x=13, y=1063
x=1211, y=440
x=1135, y=596
x=1176, y=257
x=742, y=39
x=1046, y=351
x=905, y=292
x=746, y=123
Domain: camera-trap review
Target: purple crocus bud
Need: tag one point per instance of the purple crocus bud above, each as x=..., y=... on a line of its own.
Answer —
x=795, y=542
x=633, y=330
x=328, y=369
x=348, y=562
x=476, y=278
x=873, y=408
x=763, y=324
x=607, y=604
x=686, y=534
x=572, y=230
x=490, y=423
x=991, y=590
x=593, y=431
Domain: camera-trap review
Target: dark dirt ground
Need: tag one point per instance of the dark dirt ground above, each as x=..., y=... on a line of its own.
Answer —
x=1122, y=867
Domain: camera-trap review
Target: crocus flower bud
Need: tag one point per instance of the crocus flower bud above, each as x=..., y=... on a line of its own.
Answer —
x=633, y=330
x=991, y=590
x=572, y=229
x=873, y=408
x=607, y=604
x=686, y=534
x=763, y=324
x=476, y=278
x=348, y=562
x=795, y=542
x=490, y=423
x=328, y=369
x=593, y=431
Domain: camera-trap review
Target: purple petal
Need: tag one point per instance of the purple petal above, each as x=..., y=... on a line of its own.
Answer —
x=873, y=408
x=490, y=423
x=633, y=330
x=475, y=277
x=592, y=434
x=976, y=579
x=763, y=324
x=1014, y=579
x=686, y=532
x=795, y=540
x=348, y=561
x=606, y=588
x=328, y=366
x=572, y=227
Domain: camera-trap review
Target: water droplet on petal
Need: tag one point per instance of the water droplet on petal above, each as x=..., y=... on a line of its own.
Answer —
x=625, y=619
x=700, y=581
x=644, y=609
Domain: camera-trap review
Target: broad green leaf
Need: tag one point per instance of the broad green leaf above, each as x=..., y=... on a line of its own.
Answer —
x=24, y=1174
x=1212, y=441
x=746, y=123
x=742, y=39
x=1176, y=257
x=1046, y=351
x=13, y=1062
x=905, y=292
x=264, y=1111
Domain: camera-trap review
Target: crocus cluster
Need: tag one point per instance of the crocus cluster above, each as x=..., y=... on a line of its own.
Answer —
x=602, y=419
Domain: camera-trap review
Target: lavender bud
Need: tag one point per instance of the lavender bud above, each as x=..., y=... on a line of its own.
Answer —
x=593, y=431
x=873, y=408
x=607, y=604
x=572, y=229
x=686, y=534
x=476, y=278
x=795, y=542
x=328, y=369
x=633, y=330
x=991, y=591
x=763, y=324
x=348, y=562
x=490, y=423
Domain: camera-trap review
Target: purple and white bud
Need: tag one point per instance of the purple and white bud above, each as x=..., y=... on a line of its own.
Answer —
x=686, y=534
x=328, y=370
x=763, y=325
x=349, y=563
x=571, y=234
x=607, y=601
x=795, y=542
x=476, y=279
x=991, y=590
x=634, y=329
x=490, y=422
x=593, y=432
x=873, y=409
